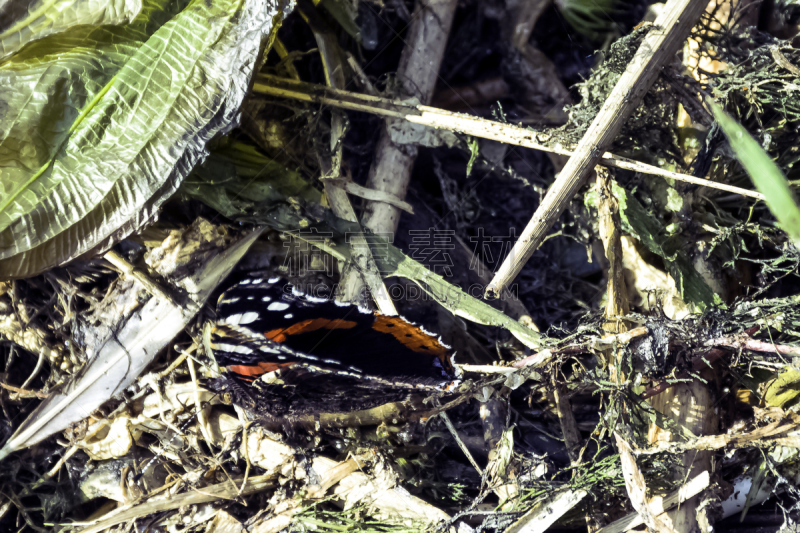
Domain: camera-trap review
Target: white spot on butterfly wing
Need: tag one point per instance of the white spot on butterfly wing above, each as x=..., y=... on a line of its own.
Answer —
x=233, y=348
x=266, y=299
x=268, y=349
x=231, y=300
x=278, y=306
x=288, y=316
x=242, y=318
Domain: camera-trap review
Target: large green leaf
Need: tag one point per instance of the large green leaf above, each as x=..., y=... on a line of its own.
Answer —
x=101, y=124
x=22, y=21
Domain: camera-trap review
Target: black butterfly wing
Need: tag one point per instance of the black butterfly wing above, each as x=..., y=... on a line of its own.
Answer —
x=257, y=314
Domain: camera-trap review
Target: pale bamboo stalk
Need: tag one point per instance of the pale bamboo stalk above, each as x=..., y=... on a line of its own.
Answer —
x=417, y=73
x=658, y=46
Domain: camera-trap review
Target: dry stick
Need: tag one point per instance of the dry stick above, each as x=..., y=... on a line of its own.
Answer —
x=478, y=369
x=361, y=255
x=744, y=342
x=572, y=436
x=569, y=426
x=611, y=341
x=23, y=393
x=781, y=60
x=461, y=123
x=738, y=342
x=202, y=411
x=690, y=405
x=355, y=189
x=543, y=515
x=482, y=271
x=764, y=436
x=617, y=306
x=128, y=270
x=610, y=225
x=658, y=46
x=690, y=489
x=637, y=489
x=32, y=376
x=226, y=490
x=417, y=73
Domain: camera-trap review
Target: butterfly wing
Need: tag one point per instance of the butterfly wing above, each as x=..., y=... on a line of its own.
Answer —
x=267, y=325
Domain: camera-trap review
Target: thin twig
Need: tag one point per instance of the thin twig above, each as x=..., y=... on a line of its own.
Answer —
x=23, y=393
x=690, y=489
x=202, y=419
x=36, y=370
x=245, y=451
x=128, y=270
x=221, y=491
x=487, y=369
x=744, y=342
x=781, y=60
x=53, y=471
x=606, y=342
x=454, y=433
x=461, y=123
x=544, y=515
x=371, y=194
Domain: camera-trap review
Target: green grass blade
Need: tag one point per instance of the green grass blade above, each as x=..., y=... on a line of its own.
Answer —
x=767, y=177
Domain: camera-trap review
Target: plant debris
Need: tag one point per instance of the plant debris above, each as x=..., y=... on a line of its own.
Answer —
x=199, y=335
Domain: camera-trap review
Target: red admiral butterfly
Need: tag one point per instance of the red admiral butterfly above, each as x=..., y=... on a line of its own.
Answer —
x=319, y=354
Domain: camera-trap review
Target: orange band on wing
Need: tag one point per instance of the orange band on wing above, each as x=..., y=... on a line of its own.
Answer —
x=307, y=326
x=258, y=370
x=411, y=336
